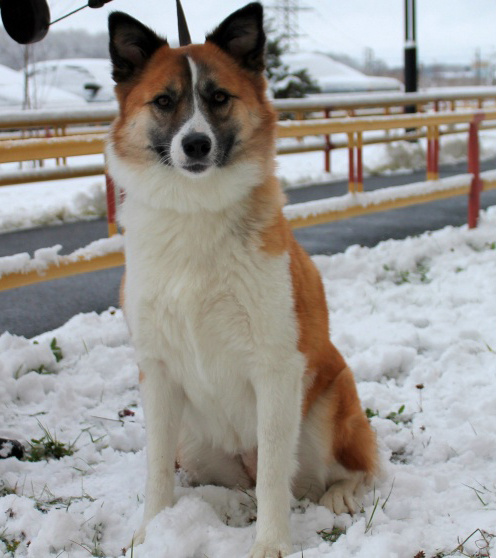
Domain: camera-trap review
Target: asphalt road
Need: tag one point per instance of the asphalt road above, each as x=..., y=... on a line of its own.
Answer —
x=31, y=310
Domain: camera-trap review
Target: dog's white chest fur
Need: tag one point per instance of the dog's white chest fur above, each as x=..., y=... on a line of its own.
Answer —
x=214, y=309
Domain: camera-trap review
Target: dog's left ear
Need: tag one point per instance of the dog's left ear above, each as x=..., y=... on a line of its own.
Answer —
x=242, y=36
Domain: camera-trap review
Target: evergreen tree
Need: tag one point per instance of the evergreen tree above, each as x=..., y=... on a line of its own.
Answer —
x=282, y=82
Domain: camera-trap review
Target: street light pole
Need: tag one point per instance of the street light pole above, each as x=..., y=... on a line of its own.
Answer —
x=410, y=68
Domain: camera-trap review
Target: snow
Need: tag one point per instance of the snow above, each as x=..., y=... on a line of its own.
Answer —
x=52, y=202
x=104, y=112
x=44, y=258
x=366, y=199
x=415, y=320
x=333, y=76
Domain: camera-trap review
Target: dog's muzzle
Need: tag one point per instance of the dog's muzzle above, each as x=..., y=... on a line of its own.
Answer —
x=197, y=147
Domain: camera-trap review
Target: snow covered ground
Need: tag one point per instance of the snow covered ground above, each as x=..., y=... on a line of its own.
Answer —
x=414, y=318
x=31, y=205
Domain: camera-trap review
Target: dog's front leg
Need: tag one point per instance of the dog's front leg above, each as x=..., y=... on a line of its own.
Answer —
x=278, y=418
x=163, y=402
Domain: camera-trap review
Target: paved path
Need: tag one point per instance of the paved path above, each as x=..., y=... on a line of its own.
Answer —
x=34, y=309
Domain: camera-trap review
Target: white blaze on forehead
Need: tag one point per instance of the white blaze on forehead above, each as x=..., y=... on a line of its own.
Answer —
x=197, y=123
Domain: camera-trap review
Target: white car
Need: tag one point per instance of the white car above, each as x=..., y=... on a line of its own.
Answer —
x=335, y=77
x=89, y=78
x=12, y=94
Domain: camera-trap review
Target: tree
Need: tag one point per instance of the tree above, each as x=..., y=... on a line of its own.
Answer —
x=282, y=82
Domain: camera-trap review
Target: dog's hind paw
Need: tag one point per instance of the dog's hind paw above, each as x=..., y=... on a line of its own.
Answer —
x=261, y=550
x=339, y=498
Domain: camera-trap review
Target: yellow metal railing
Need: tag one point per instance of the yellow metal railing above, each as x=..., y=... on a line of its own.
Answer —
x=362, y=202
x=71, y=134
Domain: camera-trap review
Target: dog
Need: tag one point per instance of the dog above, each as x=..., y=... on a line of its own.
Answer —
x=240, y=384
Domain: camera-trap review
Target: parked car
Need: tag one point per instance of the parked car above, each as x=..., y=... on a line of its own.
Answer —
x=335, y=77
x=89, y=78
x=12, y=93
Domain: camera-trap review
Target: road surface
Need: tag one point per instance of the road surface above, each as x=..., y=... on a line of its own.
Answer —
x=31, y=310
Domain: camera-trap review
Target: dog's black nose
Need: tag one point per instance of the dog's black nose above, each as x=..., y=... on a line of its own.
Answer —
x=197, y=145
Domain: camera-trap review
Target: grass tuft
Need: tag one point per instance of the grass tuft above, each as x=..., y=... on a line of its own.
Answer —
x=48, y=447
x=331, y=535
x=6, y=489
x=56, y=350
x=368, y=527
x=395, y=416
x=10, y=544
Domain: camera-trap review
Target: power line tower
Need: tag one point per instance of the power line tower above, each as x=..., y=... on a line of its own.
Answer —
x=287, y=22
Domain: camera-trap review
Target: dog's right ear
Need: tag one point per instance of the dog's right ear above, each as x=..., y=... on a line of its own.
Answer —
x=131, y=45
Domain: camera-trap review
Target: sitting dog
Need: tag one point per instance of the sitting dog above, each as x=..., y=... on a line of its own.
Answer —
x=240, y=383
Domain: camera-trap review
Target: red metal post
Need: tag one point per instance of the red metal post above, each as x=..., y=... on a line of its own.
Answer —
x=351, y=163
x=111, y=205
x=429, y=153
x=474, y=169
x=359, y=165
x=328, y=145
x=435, y=147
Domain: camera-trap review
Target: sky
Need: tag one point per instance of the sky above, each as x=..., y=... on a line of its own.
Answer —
x=447, y=30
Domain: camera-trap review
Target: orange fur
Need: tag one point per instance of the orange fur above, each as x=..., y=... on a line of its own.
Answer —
x=353, y=443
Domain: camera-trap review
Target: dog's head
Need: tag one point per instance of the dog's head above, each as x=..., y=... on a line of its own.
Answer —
x=194, y=117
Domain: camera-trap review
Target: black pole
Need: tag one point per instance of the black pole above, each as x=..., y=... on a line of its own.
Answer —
x=410, y=68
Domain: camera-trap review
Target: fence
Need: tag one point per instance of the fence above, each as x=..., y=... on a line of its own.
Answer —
x=62, y=134
x=356, y=202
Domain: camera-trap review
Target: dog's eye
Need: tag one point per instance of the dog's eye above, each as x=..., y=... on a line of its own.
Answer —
x=163, y=101
x=220, y=98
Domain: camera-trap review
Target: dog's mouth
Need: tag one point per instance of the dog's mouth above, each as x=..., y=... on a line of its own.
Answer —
x=196, y=168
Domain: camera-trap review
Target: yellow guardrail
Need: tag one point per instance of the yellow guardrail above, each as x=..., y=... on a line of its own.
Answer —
x=25, y=149
x=86, y=128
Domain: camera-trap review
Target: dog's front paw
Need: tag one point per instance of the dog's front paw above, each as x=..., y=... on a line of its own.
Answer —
x=138, y=536
x=261, y=550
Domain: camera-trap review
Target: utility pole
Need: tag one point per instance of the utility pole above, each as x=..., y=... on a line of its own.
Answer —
x=26, y=103
x=410, y=69
x=287, y=15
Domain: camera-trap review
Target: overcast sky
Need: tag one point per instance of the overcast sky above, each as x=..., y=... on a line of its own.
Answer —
x=447, y=30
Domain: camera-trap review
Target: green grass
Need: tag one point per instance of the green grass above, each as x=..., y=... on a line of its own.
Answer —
x=401, y=276
x=10, y=543
x=48, y=447
x=395, y=416
x=331, y=535
x=57, y=353
x=6, y=489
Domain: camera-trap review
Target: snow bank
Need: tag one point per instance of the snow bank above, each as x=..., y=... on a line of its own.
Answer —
x=376, y=197
x=414, y=318
x=51, y=203
x=44, y=258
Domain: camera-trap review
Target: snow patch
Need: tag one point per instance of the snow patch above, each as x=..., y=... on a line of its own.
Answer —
x=414, y=318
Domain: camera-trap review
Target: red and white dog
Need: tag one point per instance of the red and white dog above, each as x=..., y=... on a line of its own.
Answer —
x=240, y=383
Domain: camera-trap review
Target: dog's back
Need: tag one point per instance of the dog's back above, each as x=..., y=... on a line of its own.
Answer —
x=226, y=311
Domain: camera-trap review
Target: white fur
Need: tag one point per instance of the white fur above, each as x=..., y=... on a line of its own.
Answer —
x=163, y=187
x=196, y=124
x=212, y=319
